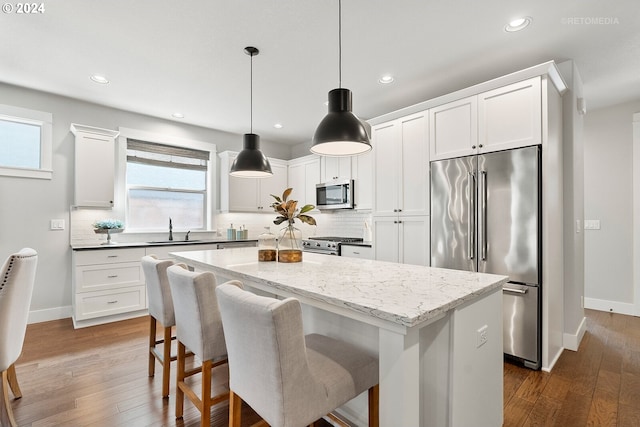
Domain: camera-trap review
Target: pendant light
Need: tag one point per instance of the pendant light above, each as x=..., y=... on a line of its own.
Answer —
x=340, y=133
x=250, y=162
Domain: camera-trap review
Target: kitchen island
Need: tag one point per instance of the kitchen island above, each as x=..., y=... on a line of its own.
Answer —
x=437, y=332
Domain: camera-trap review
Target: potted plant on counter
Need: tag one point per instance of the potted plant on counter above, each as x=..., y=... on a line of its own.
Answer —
x=290, y=238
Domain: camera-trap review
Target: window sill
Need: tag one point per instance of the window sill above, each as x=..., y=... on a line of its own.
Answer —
x=26, y=173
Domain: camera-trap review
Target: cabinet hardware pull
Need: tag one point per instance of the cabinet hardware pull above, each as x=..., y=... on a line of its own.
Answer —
x=514, y=291
x=112, y=276
x=356, y=253
x=112, y=256
x=112, y=302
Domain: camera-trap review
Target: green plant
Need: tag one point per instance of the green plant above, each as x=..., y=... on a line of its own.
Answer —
x=288, y=210
x=107, y=224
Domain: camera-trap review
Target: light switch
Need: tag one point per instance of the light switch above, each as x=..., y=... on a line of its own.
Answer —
x=592, y=224
x=57, y=224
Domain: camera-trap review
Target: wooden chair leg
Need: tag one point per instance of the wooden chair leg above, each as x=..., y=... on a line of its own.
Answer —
x=235, y=410
x=205, y=416
x=166, y=361
x=13, y=382
x=5, y=410
x=152, y=345
x=374, y=406
x=180, y=375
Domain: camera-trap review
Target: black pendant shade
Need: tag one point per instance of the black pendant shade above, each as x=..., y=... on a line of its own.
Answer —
x=340, y=133
x=250, y=162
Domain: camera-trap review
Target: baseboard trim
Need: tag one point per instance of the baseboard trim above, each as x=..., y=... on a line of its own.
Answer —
x=553, y=362
x=572, y=341
x=56, y=313
x=610, y=306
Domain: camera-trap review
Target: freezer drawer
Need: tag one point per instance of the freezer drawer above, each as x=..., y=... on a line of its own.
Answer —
x=521, y=323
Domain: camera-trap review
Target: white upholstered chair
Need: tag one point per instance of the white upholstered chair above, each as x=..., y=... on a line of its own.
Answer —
x=198, y=328
x=160, y=311
x=289, y=379
x=16, y=288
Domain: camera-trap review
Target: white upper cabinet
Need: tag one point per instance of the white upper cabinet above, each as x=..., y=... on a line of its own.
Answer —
x=510, y=116
x=500, y=119
x=303, y=175
x=401, y=166
x=454, y=129
x=335, y=168
x=95, y=155
x=249, y=194
x=362, y=173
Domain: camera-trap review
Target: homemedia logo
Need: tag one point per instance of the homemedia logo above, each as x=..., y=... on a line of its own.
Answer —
x=591, y=20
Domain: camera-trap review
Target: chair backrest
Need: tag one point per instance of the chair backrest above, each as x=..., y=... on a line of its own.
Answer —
x=268, y=365
x=198, y=322
x=16, y=288
x=158, y=289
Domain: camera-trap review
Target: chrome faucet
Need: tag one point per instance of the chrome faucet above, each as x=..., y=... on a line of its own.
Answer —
x=170, y=229
x=186, y=237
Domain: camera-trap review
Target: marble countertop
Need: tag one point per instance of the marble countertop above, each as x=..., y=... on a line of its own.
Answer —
x=158, y=243
x=403, y=294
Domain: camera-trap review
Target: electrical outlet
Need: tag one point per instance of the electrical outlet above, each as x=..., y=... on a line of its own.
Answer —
x=481, y=336
x=592, y=224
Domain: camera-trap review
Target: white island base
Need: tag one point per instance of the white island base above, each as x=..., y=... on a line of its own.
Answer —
x=437, y=333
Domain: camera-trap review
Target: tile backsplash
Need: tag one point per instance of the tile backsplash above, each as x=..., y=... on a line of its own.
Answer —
x=342, y=223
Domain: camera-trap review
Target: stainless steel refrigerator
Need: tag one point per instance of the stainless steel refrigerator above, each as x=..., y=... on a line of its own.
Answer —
x=485, y=217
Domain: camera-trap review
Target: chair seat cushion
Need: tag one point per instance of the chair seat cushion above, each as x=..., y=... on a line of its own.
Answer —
x=343, y=369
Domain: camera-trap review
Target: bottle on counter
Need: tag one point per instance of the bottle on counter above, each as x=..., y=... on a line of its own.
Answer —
x=267, y=246
x=231, y=233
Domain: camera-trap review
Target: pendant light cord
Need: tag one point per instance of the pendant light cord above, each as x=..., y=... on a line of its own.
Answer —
x=340, y=43
x=251, y=96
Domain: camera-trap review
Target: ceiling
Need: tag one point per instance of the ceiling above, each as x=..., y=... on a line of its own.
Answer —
x=166, y=56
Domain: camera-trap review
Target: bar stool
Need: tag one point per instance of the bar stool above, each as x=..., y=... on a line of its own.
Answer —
x=289, y=379
x=198, y=327
x=160, y=311
x=16, y=287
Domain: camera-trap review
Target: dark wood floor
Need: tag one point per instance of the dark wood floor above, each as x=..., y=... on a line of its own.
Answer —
x=98, y=377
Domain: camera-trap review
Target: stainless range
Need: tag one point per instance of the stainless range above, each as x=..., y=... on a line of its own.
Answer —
x=327, y=245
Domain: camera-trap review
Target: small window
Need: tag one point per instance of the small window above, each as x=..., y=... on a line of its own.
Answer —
x=25, y=143
x=165, y=182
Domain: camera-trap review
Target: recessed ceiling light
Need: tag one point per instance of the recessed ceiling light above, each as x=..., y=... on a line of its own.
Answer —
x=518, y=24
x=99, y=79
x=278, y=126
x=386, y=79
x=178, y=115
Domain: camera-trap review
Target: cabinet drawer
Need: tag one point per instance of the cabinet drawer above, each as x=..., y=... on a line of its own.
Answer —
x=104, y=303
x=101, y=277
x=108, y=256
x=363, y=252
x=162, y=252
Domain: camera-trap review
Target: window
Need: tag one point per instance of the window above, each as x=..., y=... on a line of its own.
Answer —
x=25, y=143
x=165, y=182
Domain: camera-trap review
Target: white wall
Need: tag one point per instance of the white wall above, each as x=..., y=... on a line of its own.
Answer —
x=608, y=136
x=28, y=204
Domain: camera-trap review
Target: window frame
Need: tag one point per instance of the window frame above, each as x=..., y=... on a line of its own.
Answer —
x=44, y=121
x=122, y=192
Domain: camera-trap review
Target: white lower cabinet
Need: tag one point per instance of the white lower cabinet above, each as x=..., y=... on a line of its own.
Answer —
x=356, y=251
x=403, y=239
x=108, y=285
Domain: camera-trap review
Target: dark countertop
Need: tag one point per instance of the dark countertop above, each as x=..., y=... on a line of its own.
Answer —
x=157, y=243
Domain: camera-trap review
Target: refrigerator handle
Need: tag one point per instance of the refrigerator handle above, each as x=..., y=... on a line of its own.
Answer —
x=483, y=189
x=471, y=208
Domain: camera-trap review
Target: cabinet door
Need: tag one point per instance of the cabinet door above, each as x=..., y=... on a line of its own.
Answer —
x=453, y=129
x=94, y=170
x=386, y=152
x=335, y=168
x=275, y=184
x=385, y=239
x=511, y=116
x=414, y=241
x=243, y=194
x=312, y=177
x=362, y=171
x=296, y=180
x=413, y=171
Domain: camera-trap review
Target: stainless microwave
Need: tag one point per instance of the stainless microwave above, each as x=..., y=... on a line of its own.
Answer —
x=335, y=195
